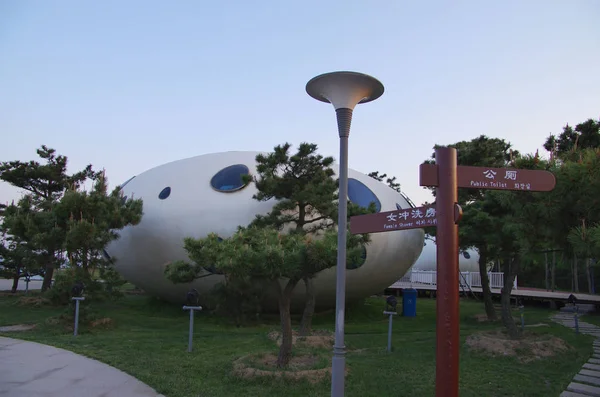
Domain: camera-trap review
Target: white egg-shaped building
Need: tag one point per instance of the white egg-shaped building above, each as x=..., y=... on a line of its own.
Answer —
x=468, y=260
x=204, y=194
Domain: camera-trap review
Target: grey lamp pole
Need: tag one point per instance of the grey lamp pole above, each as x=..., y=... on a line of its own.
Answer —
x=344, y=90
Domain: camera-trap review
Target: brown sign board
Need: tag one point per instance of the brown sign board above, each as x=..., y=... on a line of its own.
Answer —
x=408, y=218
x=493, y=178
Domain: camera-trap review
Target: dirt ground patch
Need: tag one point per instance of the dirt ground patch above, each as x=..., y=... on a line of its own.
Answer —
x=318, y=338
x=265, y=365
x=35, y=301
x=18, y=327
x=530, y=347
x=102, y=322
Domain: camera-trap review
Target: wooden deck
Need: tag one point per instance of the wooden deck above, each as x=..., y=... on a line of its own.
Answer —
x=521, y=292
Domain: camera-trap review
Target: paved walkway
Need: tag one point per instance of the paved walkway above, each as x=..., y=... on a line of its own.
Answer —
x=6, y=285
x=29, y=369
x=587, y=382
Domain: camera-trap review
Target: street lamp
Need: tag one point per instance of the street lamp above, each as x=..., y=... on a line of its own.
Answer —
x=344, y=90
x=77, y=292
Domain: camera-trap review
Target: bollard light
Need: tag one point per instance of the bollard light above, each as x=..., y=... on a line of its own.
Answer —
x=390, y=309
x=390, y=303
x=192, y=299
x=27, y=280
x=77, y=288
x=344, y=90
x=76, y=295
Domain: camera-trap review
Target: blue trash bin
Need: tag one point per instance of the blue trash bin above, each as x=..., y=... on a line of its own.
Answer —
x=409, y=302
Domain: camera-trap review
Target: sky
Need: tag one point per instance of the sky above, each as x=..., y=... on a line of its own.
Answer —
x=130, y=85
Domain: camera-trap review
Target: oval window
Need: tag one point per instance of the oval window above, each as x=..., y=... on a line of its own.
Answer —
x=361, y=195
x=229, y=179
x=360, y=262
x=166, y=192
x=466, y=255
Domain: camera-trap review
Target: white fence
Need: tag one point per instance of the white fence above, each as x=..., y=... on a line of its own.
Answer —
x=465, y=279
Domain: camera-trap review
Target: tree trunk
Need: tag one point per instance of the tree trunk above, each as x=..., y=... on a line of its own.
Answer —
x=309, y=308
x=511, y=268
x=15, y=284
x=588, y=274
x=553, y=282
x=490, y=311
x=285, y=350
x=575, y=274
x=50, y=261
x=546, y=279
x=48, y=277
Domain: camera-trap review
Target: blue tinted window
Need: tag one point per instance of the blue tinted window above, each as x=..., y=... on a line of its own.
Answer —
x=229, y=179
x=361, y=195
x=105, y=254
x=466, y=255
x=164, y=193
x=363, y=258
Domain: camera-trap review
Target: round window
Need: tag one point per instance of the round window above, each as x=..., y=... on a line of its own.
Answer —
x=360, y=262
x=229, y=179
x=166, y=192
x=361, y=195
x=466, y=255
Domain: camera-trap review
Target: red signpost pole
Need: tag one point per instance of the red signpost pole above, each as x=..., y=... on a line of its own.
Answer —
x=447, y=323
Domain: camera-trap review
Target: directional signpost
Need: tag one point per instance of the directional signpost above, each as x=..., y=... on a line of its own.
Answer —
x=410, y=218
x=446, y=176
x=493, y=178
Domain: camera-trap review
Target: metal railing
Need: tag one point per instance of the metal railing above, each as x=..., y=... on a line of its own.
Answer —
x=466, y=279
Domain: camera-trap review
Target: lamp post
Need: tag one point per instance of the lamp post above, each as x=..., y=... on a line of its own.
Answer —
x=390, y=309
x=344, y=90
x=192, y=304
x=77, y=291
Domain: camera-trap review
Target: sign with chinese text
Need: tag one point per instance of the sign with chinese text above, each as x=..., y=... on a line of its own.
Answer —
x=493, y=178
x=408, y=218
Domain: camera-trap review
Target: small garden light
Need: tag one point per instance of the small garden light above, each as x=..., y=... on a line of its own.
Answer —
x=192, y=299
x=390, y=303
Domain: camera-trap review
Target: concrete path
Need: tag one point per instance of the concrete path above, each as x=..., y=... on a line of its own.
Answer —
x=29, y=369
x=587, y=382
x=6, y=285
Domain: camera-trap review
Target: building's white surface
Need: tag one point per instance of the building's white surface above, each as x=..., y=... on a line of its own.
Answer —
x=468, y=261
x=194, y=209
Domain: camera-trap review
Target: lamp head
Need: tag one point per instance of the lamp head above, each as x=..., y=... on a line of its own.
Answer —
x=391, y=303
x=344, y=89
x=77, y=289
x=192, y=297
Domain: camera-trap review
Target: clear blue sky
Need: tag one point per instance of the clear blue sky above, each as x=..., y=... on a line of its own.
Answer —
x=129, y=85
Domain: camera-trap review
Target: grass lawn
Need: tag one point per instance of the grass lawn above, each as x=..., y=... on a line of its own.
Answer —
x=591, y=318
x=149, y=341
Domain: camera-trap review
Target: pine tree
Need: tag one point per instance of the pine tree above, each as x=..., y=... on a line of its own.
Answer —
x=45, y=184
x=306, y=192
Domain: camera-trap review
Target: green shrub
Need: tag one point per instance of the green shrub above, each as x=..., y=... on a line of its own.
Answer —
x=238, y=299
